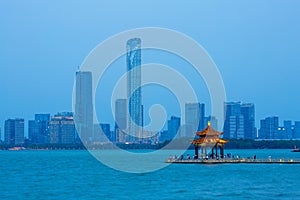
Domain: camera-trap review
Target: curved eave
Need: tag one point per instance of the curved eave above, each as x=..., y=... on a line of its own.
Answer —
x=209, y=141
x=208, y=131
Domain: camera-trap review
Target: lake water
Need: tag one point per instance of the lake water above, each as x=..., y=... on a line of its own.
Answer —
x=78, y=175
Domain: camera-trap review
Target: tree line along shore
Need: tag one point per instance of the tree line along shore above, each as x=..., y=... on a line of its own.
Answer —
x=181, y=143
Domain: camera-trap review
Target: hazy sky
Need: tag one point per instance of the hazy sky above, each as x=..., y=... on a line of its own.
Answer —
x=255, y=45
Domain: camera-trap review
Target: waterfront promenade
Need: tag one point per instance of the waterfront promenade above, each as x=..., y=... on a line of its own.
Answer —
x=233, y=161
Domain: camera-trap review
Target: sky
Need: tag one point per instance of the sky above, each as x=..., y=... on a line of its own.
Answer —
x=255, y=45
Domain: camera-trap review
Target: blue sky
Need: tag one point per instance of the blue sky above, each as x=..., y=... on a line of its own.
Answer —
x=255, y=45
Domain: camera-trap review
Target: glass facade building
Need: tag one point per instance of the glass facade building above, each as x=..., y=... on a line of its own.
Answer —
x=296, y=131
x=213, y=122
x=239, y=120
x=173, y=127
x=194, y=118
x=248, y=113
x=269, y=128
x=84, y=106
x=62, y=129
x=121, y=120
x=38, y=129
x=134, y=93
x=288, y=131
x=14, y=131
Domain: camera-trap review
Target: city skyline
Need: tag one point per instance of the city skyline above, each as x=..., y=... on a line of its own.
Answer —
x=60, y=128
x=257, y=60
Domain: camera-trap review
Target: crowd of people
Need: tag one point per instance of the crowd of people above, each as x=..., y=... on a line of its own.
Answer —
x=207, y=157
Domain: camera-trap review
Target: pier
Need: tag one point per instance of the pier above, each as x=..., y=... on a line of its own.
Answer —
x=234, y=161
x=212, y=152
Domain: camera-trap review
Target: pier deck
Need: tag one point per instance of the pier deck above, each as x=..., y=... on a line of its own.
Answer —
x=234, y=161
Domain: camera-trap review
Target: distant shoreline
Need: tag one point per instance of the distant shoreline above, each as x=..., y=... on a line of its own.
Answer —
x=176, y=144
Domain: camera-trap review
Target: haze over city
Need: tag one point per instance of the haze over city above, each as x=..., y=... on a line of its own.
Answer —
x=255, y=47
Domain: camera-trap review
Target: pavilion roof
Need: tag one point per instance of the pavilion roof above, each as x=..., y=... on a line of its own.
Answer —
x=209, y=136
x=208, y=131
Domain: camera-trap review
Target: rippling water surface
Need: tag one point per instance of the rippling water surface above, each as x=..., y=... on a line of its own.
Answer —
x=78, y=175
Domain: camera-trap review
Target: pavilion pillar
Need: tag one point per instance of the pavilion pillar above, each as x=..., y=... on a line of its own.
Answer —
x=222, y=150
x=216, y=150
x=196, y=150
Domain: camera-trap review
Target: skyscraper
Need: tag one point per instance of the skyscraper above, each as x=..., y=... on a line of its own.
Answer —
x=164, y=136
x=120, y=120
x=134, y=94
x=239, y=120
x=106, y=130
x=288, y=132
x=202, y=124
x=54, y=130
x=281, y=133
x=67, y=130
x=269, y=128
x=14, y=131
x=248, y=112
x=213, y=122
x=98, y=135
x=84, y=106
x=38, y=129
x=173, y=126
x=234, y=121
x=297, y=130
x=194, y=118
x=62, y=128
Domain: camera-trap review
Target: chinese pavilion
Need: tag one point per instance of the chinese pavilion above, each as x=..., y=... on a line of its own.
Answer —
x=209, y=139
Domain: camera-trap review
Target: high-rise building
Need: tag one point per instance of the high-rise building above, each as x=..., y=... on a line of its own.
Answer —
x=106, y=130
x=62, y=128
x=194, y=118
x=213, y=122
x=239, y=120
x=98, y=134
x=173, y=126
x=14, y=131
x=84, y=106
x=164, y=136
x=54, y=130
x=269, y=128
x=296, y=133
x=134, y=93
x=248, y=112
x=202, y=124
x=67, y=131
x=234, y=122
x=120, y=120
x=288, y=131
x=281, y=133
x=236, y=128
x=33, y=131
x=38, y=129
